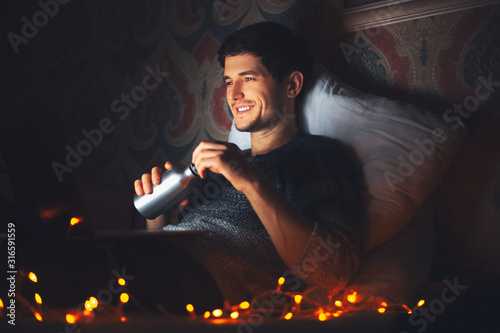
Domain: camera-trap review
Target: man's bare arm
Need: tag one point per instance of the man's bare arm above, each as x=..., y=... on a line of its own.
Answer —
x=288, y=228
x=157, y=224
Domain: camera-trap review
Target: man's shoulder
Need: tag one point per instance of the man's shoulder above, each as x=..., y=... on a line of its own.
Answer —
x=313, y=157
x=317, y=144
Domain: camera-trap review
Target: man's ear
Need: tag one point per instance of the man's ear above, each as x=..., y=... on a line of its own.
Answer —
x=295, y=84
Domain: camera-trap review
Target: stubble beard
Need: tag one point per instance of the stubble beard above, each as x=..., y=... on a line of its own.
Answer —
x=260, y=124
x=253, y=126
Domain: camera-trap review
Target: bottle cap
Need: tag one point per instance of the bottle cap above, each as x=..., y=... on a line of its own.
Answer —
x=193, y=169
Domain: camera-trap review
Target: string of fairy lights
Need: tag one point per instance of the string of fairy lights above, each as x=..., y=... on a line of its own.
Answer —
x=348, y=304
x=228, y=314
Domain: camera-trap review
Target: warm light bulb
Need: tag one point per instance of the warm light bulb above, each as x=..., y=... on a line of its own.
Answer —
x=384, y=304
x=217, y=312
x=288, y=316
x=32, y=277
x=352, y=297
x=338, y=303
x=381, y=310
x=206, y=314
x=121, y=281
x=244, y=305
x=322, y=316
x=336, y=314
x=38, y=316
x=1, y=304
x=38, y=299
x=421, y=302
x=74, y=220
x=71, y=319
x=93, y=301
x=124, y=297
x=190, y=307
x=281, y=280
x=235, y=314
x=123, y=318
x=88, y=305
x=298, y=299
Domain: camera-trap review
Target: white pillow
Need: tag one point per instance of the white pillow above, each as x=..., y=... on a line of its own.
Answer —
x=404, y=149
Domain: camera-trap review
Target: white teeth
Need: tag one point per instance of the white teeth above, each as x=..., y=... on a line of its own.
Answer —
x=244, y=109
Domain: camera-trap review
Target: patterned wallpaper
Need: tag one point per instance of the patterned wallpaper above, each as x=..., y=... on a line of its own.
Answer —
x=438, y=57
x=96, y=92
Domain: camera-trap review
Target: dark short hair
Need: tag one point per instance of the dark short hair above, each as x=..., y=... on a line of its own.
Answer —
x=281, y=50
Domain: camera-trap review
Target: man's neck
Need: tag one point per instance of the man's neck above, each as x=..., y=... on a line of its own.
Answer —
x=265, y=141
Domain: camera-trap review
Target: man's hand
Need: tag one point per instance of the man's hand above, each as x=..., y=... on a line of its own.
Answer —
x=145, y=184
x=228, y=160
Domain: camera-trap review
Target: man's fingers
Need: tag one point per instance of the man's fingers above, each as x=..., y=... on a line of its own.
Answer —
x=208, y=145
x=156, y=175
x=146, y=183
x=202, y=163
x=215, y=156
x=209, y=158
x=138, y=187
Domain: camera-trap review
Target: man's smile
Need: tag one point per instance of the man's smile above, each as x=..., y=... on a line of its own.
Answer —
x=244, y=108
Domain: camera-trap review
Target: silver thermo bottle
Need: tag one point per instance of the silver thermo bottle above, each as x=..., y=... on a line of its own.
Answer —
x=175, y=185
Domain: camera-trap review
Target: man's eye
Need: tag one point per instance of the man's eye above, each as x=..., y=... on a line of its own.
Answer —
x=228, y=83
x=249, y=79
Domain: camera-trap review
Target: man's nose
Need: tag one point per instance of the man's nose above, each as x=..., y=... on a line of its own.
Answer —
x=235, y=92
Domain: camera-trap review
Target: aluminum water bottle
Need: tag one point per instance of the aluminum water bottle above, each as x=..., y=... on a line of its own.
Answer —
x=175, y=185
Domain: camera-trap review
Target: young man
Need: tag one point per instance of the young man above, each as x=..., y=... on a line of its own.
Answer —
x=291, y=206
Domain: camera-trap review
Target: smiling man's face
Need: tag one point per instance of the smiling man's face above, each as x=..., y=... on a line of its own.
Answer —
x=256, y=101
